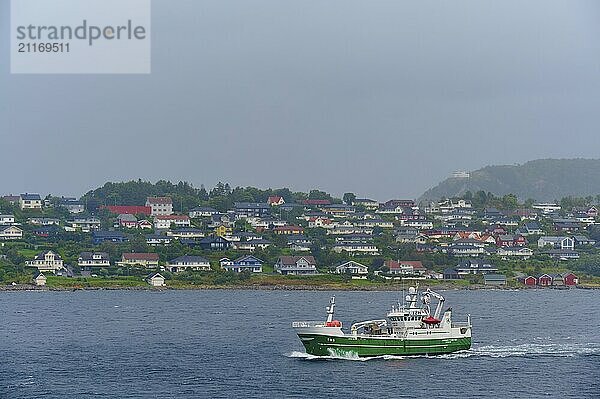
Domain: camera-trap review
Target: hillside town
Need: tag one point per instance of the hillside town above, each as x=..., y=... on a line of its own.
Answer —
x=452, y=240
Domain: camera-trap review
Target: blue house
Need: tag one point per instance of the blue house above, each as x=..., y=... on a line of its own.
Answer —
x=248, y=262
x=98, y=237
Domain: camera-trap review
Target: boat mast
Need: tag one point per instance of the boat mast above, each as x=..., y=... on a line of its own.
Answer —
x=330, y=309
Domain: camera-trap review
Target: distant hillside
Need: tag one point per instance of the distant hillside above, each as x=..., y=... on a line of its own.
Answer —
x=541, y=180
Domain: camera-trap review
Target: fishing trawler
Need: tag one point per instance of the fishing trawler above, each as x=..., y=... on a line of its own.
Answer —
x=410, y=329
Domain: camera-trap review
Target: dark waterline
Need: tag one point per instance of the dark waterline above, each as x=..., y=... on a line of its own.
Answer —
x=239, y=344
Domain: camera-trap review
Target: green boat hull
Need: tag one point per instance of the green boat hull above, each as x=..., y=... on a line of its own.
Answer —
x=323, y=345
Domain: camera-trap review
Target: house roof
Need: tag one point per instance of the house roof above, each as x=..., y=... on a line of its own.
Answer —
x=41, y=255
x=189, y=259
x=90, y=255
x=31, y=197
x=159, y=200
x=393, y=264
x=292, y=260
x=140, y=256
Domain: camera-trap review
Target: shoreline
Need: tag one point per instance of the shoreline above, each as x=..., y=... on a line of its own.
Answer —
x=29, y=288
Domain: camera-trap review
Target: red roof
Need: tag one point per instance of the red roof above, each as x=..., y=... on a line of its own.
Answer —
x=131, y=210
x=274, y=199
x=140, y=256
x=416, y=264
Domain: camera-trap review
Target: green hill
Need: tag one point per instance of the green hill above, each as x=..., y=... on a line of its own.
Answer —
x=541, y=180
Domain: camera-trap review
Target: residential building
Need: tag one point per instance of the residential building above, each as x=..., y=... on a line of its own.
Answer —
x=43, y=221
x=249, y=209
x=84, y=224
x=201, y=212
x=520, y=252
x=158, y=239
x=352, y=267
x=40, y=280
x=214, y=243
x=30, y=201
x=156, y=280
x=93, y=259
x=547, y=207
x=299, y=242
x=98, y=237
x=475, y=266
x=73, y=205
x=556, y=242
x=354, y=247
x=405, y=267
x=160, y=206
x=296, y=265
x=7, y=219
x=223, y=230
x=47, y=261
x=10, y=233
x=288, y=230
x=127, y=220
x=562, y=254
x=583, y=241
x=245, y=263
x=149, y=260
x=188, y=232
x=188, y=262
x=366, y=203
x=252, y=245
x=494, y=279
x=275, y=200
x=166, y=221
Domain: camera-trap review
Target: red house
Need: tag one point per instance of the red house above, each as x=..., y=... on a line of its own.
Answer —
x=570, y=279
x=275, y=200
x=530, y=281
x=544, y=280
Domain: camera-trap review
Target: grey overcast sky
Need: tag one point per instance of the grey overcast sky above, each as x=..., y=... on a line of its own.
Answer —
x=381, y=98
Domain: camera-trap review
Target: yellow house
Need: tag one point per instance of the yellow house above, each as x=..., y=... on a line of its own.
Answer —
x=223, y=231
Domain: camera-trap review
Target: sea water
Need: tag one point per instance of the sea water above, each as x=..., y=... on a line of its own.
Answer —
x=240, y=344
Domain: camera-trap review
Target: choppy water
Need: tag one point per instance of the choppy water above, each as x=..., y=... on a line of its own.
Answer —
x=239, y=344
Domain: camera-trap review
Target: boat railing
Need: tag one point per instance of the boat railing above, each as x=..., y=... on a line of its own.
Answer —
x=461, y=324
x=306, y=324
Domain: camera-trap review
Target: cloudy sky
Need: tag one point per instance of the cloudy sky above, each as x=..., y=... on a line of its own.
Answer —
x=382, y=98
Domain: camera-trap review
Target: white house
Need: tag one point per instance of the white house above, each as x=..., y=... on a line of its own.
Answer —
x=356, y=248
x=46, y=261
x=188, y=262
x=296, y=265
x=165, y=221
x=520, y=252
x=352, y=267
x=156, y=280
x=30, y=201
x=547, y=207
x=10, y=233
x=40, y=280
x=7, y=219
x=556, y=242
x=160, y=205
x=93, y=259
